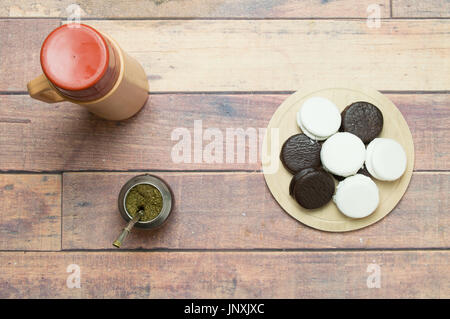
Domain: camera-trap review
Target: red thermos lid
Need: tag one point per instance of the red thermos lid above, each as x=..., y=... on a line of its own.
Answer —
x=79, y=62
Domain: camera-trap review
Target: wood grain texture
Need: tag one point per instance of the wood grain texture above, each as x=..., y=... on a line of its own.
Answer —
x=20, y=45
x=268, y=55
x=194, y=8
x=30, y=212
x=237, y=211
x=417, y=8
x=226, y=275
x=212, y=210
x=258, y=55
x=35, y=136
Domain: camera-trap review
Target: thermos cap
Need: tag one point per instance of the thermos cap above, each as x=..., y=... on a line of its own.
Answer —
x=75, y=57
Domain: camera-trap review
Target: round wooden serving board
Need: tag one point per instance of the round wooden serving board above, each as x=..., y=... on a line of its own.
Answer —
x=328, y=218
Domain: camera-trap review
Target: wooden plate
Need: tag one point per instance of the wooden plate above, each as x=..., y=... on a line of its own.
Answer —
x=283, y=124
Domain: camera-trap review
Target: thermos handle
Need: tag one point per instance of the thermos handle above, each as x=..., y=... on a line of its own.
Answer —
x=40, y=89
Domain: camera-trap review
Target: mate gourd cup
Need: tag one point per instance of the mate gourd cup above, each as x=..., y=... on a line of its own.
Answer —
x=84, y=66
x=161, y=186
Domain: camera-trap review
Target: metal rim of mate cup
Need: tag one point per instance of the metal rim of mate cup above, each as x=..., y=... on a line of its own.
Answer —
x=166, y=208
x=161, y=186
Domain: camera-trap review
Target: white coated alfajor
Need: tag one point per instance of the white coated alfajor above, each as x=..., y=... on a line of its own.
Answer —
x=385, y=159
x=308, y=133
x=357, y=196
x=319, y=118
x=368, y=160
x=343, y=154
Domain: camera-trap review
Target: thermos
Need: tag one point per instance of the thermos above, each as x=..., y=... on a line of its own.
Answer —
x=86, y=67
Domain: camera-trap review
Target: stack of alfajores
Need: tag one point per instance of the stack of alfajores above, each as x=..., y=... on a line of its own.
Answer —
x=333, y=144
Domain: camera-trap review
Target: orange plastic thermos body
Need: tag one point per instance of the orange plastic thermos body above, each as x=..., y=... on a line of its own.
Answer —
x=86, y=67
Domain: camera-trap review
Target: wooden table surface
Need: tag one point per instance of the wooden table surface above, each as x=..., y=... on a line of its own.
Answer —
x=230, y=64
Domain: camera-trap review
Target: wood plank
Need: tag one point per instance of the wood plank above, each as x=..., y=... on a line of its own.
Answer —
x=35, y=136
x=260, y=55
x=422, y=9
x=428, y=118
x=194, y=8
x=20, y=44
x=404, y=274
x=236, y=210
x=30, y=212
x=273, y=55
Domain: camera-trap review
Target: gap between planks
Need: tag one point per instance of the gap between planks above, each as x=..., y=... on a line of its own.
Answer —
x=212, y=171
x=62, y=19
x=405, y=92
x=233, y=250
